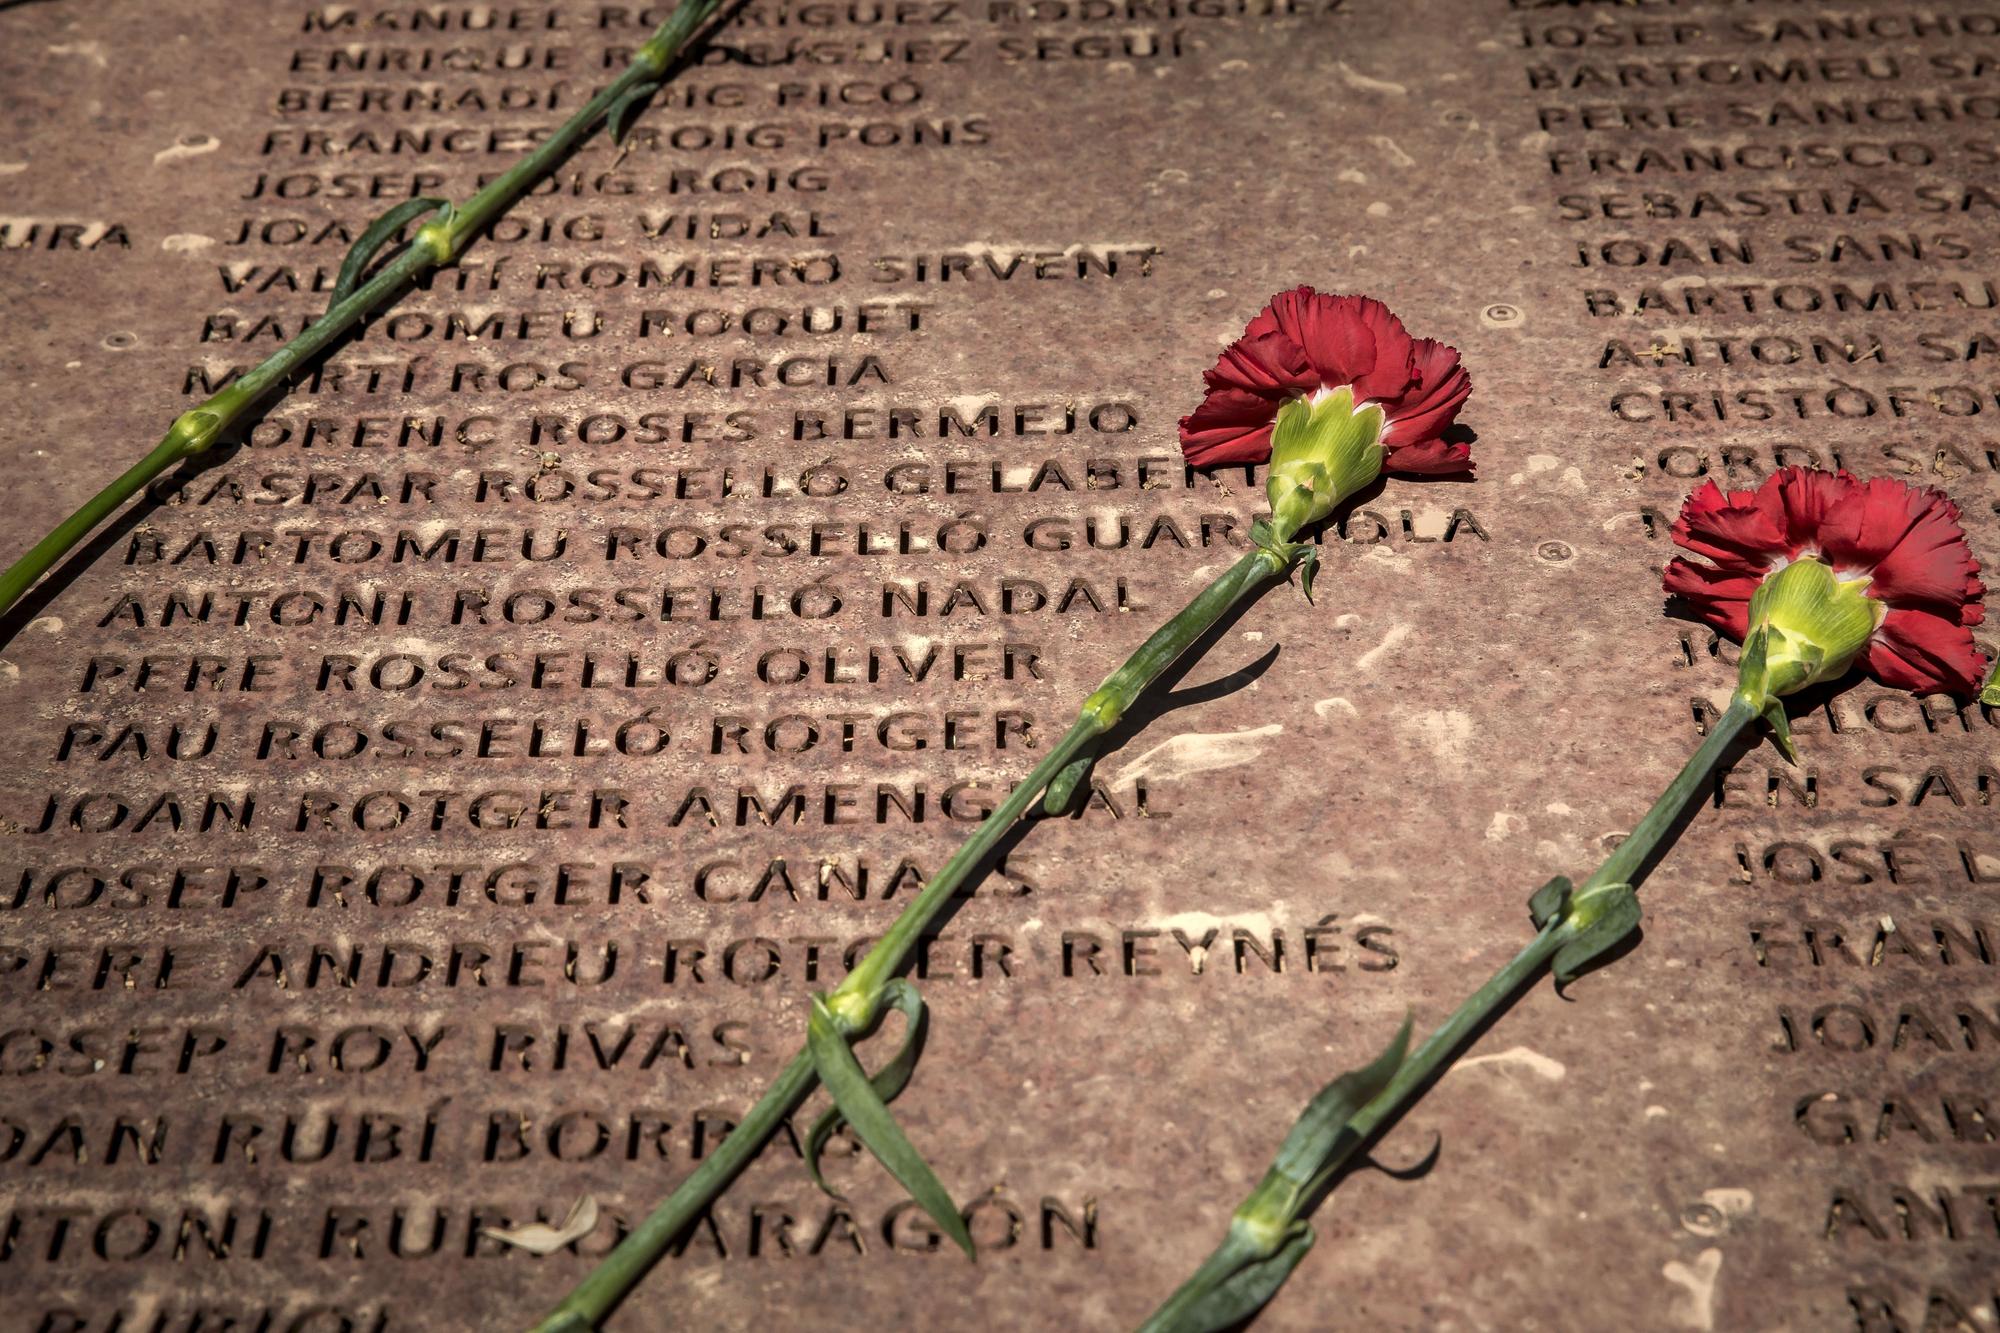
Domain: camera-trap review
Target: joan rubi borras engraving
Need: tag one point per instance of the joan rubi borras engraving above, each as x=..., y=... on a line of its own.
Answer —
x=1333, y=392
x=1815, y=573
x=442, y=237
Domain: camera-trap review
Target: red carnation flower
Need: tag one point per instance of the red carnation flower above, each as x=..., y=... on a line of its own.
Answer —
x=1307, y=343
x=1899, y=546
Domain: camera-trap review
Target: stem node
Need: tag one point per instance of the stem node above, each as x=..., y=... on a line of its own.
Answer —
x=437, y=237
x=854, y=1010
x=194, y=431
x=1103, y=708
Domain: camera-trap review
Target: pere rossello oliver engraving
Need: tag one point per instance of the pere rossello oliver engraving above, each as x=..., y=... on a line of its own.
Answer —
x=1290, y=660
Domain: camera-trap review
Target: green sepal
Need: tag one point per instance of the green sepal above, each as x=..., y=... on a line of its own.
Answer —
x=834, y=1062
x=1308, y=566
x=1303, y=556
x=1806, y=667
x=362, y=252
x=1063, y=787
x=1246, y=1291
x=619, y=118
x=888, y=1082
x=1590, y=923
x=1781, y=729
x=1755, y=686
x=1750, y=681
x=1815, y=624
x=1775, y=664
x=1323, y=450
x=1990, y=696
x=1596, y=921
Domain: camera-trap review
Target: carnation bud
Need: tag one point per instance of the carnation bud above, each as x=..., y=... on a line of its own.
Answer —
x=1811, y=623
x=1323, y=449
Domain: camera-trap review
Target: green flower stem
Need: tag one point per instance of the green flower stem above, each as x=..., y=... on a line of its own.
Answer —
x=1622, y=866
x=1239, y=1249
x=43, y=555
x=1100, y=712
x=436, y=243
x=857, y=1002
x=604, y=1286
x=1442, y=1046
x=1266, y=1232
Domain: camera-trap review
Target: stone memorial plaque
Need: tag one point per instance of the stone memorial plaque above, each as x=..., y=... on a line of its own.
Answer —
x=436, y=811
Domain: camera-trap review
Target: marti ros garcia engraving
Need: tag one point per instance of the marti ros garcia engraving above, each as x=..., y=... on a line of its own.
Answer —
x=571, y=666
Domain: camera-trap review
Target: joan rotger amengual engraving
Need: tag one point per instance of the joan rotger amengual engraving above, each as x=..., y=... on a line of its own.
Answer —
x=439, y=787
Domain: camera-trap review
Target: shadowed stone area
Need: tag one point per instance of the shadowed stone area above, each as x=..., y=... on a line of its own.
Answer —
x=439, y=809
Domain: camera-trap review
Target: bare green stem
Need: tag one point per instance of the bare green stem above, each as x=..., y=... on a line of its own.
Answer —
x=438, y=242
x=858, y=999
x=1266, y=1220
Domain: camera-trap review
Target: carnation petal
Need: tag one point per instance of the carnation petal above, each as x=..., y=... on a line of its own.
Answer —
x=1230, y=426
x=1742, y=531
x=1916, y=650
x=1394, y=370
x=1338, y=349
x=1925, y=562
x=1806, y=496
x=1861, y=531
x=1432, y=402
x=1305, y=341
x=1269, y=364
x=1346, y=340
x=1720, y=597
x=1430, y=457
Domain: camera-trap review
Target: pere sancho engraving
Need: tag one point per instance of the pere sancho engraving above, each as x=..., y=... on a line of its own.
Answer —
x=435, y=809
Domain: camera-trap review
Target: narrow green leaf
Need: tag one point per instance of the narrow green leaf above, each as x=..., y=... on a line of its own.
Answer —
x=1550, y=901
x=1781, y=729
x=1308, y=566
x=1316, y=1146
x=888, y=1082
x=1990, y=696
x=1605, y=916
x=1751, y=666
x=362, y=253
x=1063, y=788
x=1245, y=1291
x=834, y=1061
x=619, y=118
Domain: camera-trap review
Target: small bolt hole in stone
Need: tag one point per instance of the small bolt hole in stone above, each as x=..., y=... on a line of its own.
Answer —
x=1703, y=1219
x=1554, y=552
